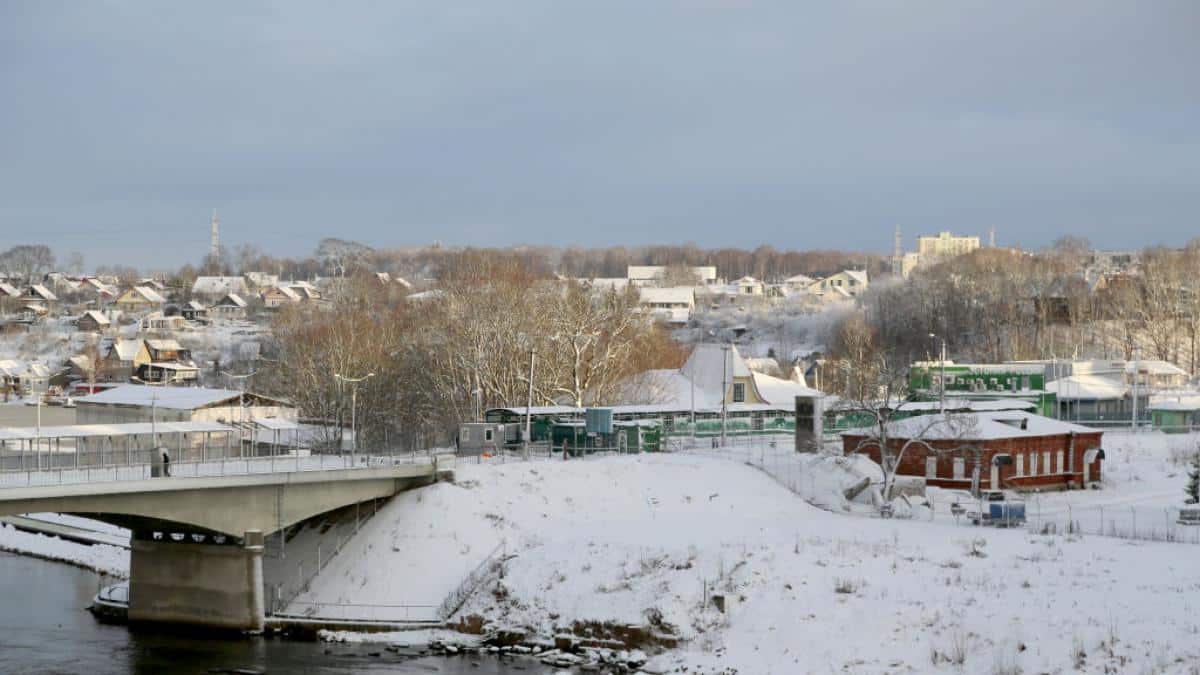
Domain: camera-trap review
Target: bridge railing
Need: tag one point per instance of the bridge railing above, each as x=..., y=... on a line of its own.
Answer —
x=60, y=468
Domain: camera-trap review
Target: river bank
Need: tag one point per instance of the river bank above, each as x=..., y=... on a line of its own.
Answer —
x=744, y=576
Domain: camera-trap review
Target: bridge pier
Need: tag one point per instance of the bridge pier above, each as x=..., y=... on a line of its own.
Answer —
x=214, y=583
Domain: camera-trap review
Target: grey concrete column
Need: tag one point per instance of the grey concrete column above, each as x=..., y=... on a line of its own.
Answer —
x=210, y=585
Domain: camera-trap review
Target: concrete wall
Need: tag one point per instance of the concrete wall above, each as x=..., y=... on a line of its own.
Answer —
x=210, y=585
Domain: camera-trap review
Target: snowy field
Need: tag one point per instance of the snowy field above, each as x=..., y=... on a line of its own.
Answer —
x=646, y=539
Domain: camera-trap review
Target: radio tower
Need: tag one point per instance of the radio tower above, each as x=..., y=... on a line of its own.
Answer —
x=215, y=253
x=898, y=256
x=991, y=237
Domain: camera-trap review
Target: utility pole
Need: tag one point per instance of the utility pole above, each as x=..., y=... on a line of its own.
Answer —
x=724, y=389
x=1133, y=423
x=353, y=410
x=215, y=250
x=529, y=404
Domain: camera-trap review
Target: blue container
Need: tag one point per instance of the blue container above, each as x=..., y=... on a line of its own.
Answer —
x=598, y=420
x=1005, y=513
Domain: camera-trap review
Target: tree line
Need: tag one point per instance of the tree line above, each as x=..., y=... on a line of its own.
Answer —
x=466, y=348
x=997, y=305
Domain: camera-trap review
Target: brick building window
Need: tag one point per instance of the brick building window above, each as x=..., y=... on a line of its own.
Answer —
x=1046, y=462
x=1058, y=459
x=1020, y=464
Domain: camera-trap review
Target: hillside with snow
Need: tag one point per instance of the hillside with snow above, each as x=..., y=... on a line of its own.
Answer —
x=647, y=539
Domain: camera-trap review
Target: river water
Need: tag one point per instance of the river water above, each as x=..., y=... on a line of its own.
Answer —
x=45, y=628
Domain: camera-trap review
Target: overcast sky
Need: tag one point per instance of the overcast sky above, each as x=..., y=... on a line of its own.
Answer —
x=799, y=125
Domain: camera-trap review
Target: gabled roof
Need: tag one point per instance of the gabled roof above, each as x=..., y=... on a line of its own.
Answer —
x=287, y=293
x=976, y=426
x=125, y=349
x=164, y=345
x=6, y=289
x=711, y=363
x=42, y=292
x=147, y=294
x=231, y=299
x=858, y=275
x=172, y=398
x=98, y=317
x=218, y=285
x=195, y=305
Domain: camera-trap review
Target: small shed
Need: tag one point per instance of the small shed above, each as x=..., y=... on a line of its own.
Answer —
x=1176, y=417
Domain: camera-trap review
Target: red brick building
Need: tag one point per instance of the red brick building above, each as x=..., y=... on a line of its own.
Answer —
x=1012, y=450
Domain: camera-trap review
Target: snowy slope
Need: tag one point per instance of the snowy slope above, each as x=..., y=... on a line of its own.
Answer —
x=635, y=540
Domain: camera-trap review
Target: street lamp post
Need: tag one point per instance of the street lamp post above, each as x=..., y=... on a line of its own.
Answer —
x=353, y=410
x=942, y=377
x=241, y=405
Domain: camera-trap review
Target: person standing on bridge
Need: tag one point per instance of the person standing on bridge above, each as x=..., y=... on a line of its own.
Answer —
x=166, y=463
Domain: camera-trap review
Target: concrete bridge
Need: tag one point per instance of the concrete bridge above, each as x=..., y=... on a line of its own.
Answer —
x=197, y=541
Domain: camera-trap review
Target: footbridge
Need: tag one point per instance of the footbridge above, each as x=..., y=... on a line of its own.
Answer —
x=198, y=534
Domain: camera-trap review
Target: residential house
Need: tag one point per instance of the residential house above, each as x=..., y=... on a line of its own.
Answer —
x=158, y=322
x=258, y=282
x=748, y=285
x=305, y=290
x=846, y=284
x=93, y=321
x=169, y=363
x=1006, y=449
x=232, y=306
x=101, y=291
x=798, y=282
x=124, y=357
x=674, y=305
x=194, y=310
x=40, y=295
x=140, y=299
x=279, y=296
x=23, y=378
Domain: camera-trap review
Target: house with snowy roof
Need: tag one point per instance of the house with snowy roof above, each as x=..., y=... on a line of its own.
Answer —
x=93, y=321
x=231, y=306
x=140, y=299
x=998, y=450
x=847, y=283
x=673, y=305
x=215, y=287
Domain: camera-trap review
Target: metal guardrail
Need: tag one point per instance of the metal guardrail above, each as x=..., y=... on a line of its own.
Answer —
x=476, y=578
x=360, y=613
x=218, y=467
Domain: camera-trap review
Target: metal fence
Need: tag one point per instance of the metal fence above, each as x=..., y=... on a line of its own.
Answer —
x=141, y=465
x=492, y=565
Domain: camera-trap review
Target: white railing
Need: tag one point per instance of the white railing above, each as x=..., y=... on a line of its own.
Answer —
x=224, y=466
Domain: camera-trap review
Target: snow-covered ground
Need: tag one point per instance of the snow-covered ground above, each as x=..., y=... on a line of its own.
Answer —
x=110, y=560
x=646, y=539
